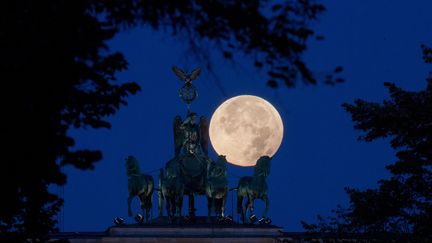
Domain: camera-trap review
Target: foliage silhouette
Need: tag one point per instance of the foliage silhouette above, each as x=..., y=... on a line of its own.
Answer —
x=274, y=34
x=59, y=72
x=402, y=204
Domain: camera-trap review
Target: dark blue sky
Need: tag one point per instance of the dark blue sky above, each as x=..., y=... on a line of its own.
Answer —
x=375, y=41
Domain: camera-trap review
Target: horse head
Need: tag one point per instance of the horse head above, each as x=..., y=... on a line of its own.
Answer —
x=140, y=185
x=172, y=169
x=218, y=168
x=262, y=167
x=132, y=166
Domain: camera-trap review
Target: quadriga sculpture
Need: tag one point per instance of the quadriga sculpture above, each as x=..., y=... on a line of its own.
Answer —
x=171, y=189
x=254, y=187
x=217, y=186
x=140, y=185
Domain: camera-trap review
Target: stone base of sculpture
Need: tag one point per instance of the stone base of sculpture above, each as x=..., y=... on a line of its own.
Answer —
x=158, y=231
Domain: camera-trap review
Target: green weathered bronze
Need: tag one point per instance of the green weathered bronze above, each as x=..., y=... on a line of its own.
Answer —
x=140, y=185
x=254, y=187
x=217, y=186
x=171, y=189
x=192, y=172
x=188, y=92
x=186, y=172
x=190, y=154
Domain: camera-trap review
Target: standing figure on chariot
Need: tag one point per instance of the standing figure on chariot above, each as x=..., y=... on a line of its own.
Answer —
x=192, y=137
x=189, y=138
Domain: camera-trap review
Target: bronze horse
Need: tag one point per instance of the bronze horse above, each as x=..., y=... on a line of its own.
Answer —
x=217, y=186
x=171, y=189
x=254, y=187
x=140, y=185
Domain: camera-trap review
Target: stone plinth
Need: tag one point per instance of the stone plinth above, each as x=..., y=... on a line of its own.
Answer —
x=192, y=231
x=196, y=232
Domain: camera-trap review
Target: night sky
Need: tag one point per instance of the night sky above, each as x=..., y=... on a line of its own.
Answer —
x=375, y=41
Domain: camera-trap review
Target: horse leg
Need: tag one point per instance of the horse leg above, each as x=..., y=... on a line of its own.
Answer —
x=148, y=205
x=267, y=202
x=173, y=207
x=240, y=209
x=191, y=205
x=209, y=206
x=251, y=208
x=179, y=205
x=143, y=201
x=216, y=206
x=129, y=205
x=168, y=208
x=223, y=201
x=160, y=202
x=161, y=192
x=210, y=202
x=181, y=193
x=246, y=210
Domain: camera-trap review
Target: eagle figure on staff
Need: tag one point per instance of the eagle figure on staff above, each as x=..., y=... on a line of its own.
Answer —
x=186, y=77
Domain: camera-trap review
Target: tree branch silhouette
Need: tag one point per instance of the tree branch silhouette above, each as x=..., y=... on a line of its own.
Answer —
x=58, y=73
x=402, y=204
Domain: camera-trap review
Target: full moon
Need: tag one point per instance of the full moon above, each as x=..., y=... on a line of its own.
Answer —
x=244, y=128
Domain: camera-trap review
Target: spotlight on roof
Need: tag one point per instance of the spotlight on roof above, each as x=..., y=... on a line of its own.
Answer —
x=228, y=219
x=265, y=221
x=139, y=218
x=268, y=221
x=118, y=221
x=253, y=218
x=187, y=219
x=190, y=219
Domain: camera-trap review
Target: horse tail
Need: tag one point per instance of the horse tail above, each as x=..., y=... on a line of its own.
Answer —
x=161, y=178
x=239, y=203
x=150, y=185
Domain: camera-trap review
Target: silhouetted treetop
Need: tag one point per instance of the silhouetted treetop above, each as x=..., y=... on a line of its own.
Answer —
x=274, y=34
x=406, y=118
x=57, y=72
x=402, y=204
